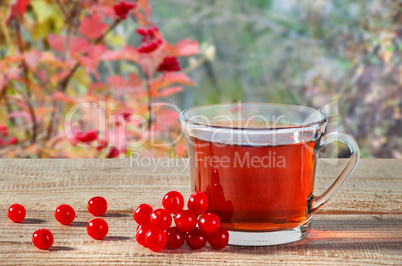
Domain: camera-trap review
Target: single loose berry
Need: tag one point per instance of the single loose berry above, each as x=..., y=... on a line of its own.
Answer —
x=42, y=238
x=198, y=202
x=155, y=239
x=173, y=202
x=195, y=239
x=175, y=238
x=160, y=218
x=220, y=239
x=16, y=213
x=64, y=214
x=142, y=214
x=185, y=221
x=209, y=223
x=97, y=206
x=97, y=228
x=142, y=230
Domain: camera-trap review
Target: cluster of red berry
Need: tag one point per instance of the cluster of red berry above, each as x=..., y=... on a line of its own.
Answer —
x=4, y=140
x=170, y=64
x=88, y=136
x=42, y=238
x=92, y=135
x=155, y=232
x=122, y=8
x=151, y=40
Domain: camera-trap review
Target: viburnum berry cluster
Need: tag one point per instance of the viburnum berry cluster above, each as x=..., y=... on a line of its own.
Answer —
x=151, y=39
x=169, y=64
x=122, y=8
x=88, y=137
x=155, y=230
x=5, y=140
x=42, y=238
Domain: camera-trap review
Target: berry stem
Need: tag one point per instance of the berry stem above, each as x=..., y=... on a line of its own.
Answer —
x=27, y=82
x=63, y=84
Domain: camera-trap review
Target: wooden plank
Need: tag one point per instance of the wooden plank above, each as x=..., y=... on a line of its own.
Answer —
x=361, y=225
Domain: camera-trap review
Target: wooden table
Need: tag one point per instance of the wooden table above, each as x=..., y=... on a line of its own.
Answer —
x=361, y=225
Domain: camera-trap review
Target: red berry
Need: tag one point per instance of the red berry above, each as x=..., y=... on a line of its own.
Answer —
x=175, y=238
x=141, y=31
x=12, y=141
x=42, y=238
x=16, y=213
x=220, y=239
x=185, y=221
x=209, y=223
x=89, y=136
x=97, y=228
x=160, y=218
x=97, y=206
x=198, y=202
x=155, y=239
x=142, y=230
x=4, y=130
x=101, y=145
x=64, y=214
x=195, y=239
x=142, y=213
x=140, y=226
x=113, y=153
x=173, y=202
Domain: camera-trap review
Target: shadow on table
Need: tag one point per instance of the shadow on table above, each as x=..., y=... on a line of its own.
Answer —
x=78, y=224
x=116, y=238
x=60, y=248
x=32, y=221
x=116, y=215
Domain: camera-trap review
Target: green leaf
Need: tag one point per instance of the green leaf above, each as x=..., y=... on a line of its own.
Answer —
x=42, y=10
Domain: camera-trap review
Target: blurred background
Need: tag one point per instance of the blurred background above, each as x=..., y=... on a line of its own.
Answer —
x=309, y=52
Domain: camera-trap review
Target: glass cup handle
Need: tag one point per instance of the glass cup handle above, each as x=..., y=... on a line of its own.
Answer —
x=317, y=202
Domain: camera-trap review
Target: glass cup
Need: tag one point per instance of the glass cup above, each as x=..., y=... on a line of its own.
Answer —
x=256, y=163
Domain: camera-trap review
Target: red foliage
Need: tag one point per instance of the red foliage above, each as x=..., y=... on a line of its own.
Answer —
x=17, y=9
x=43, y=84
x=75, y=44
x=92, y=26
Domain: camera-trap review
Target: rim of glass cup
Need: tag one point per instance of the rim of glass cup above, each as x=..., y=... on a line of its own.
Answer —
x=188, y=121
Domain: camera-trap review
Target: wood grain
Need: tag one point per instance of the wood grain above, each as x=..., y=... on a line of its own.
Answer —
x=362, y=224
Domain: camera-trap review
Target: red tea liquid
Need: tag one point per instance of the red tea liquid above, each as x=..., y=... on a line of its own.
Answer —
x=261, y=188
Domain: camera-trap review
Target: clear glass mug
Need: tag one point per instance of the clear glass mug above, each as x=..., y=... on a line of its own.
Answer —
x=256, y=163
